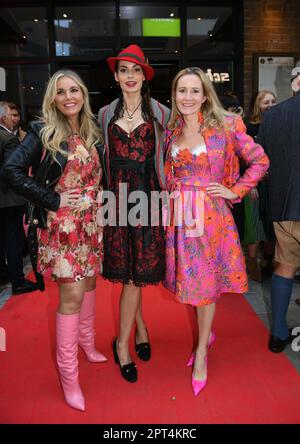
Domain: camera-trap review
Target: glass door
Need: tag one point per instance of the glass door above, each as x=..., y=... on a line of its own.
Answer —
x=160, y=86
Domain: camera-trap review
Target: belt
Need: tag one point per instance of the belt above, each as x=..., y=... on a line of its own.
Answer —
x=143, y=169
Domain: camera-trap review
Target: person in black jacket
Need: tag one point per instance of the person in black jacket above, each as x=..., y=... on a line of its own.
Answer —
x=279, y=134
x=66, y=183
x=16, y=117
x=259, y=227
x=12, y=207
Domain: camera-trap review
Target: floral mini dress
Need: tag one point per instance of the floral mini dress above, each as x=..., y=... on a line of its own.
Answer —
x=70, y=249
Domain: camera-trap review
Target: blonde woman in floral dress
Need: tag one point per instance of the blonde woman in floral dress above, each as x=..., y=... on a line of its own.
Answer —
x=66, y=146
x=203, y=253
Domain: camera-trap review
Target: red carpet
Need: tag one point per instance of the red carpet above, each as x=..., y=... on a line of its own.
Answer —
x=247, y=384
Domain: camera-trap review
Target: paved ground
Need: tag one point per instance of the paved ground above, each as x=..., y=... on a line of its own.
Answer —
x=259, y=298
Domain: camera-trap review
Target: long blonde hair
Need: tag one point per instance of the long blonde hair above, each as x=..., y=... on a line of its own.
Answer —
x=256, y=115
x=57, y=128
x=212, y=110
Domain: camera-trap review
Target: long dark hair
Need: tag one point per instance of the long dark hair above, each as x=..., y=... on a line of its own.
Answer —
x=147, y=111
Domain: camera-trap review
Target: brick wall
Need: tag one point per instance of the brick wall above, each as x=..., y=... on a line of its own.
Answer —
x=270, y=26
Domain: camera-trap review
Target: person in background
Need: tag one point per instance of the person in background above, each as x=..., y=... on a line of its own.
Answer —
x=231, y=103
x=204, y=258
x=12, y=208
x=16, y=118
x=263, y=101
x=20, y=133
x=133, y=127
x=258, y=226
x=279, y=134
x=67, y=144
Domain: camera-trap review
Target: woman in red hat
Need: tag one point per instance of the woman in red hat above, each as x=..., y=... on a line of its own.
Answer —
x=133, y=127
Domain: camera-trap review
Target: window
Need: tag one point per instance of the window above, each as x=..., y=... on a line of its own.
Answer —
x=155, y=29
x=24, y=32
x=273, y=73
x=84, y=30
x=25, y=86
x=161, y=82
x=210, y=30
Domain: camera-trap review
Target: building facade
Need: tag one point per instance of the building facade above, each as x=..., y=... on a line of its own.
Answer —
x=224, y=38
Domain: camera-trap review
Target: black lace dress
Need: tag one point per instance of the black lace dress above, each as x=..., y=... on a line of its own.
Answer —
x=133, y=254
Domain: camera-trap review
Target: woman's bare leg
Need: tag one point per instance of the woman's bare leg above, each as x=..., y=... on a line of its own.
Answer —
x=71, y=296
x=141, y=335
x=205, y=316
x=129, y=302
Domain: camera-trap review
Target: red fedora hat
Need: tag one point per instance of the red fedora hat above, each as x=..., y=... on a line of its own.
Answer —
x=134, y=54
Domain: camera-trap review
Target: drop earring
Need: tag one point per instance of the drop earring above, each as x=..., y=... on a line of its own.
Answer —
x=200, y=118
x=201, y=121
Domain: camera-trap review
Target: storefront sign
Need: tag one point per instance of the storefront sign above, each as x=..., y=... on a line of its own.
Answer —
x=217, y=77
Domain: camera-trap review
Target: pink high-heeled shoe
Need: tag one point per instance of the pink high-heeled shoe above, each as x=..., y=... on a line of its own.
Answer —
x=199, y=384
x=211, y=340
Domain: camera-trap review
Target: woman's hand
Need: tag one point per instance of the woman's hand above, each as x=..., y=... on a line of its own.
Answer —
x=217, y=190
x=70, y=199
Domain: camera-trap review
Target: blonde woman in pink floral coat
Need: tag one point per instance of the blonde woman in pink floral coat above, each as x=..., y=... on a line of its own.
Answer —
x=66, y=145
x=203, y=254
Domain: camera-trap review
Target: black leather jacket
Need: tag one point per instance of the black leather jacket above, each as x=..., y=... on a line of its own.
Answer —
x=38, y=189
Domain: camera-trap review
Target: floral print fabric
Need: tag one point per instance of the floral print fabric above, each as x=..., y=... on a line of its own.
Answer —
x=126, y=258
x=70, y=249
x=199, y=269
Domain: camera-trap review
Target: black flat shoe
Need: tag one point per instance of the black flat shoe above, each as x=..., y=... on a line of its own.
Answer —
x=26, y=287
x=143, y=350
x=128, y=371
x=277, y=345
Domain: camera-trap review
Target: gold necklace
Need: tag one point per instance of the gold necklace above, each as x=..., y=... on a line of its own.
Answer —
x=129, y=117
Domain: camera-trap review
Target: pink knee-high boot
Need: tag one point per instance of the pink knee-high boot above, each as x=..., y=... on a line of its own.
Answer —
x=67, y=332
x=86, y=328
